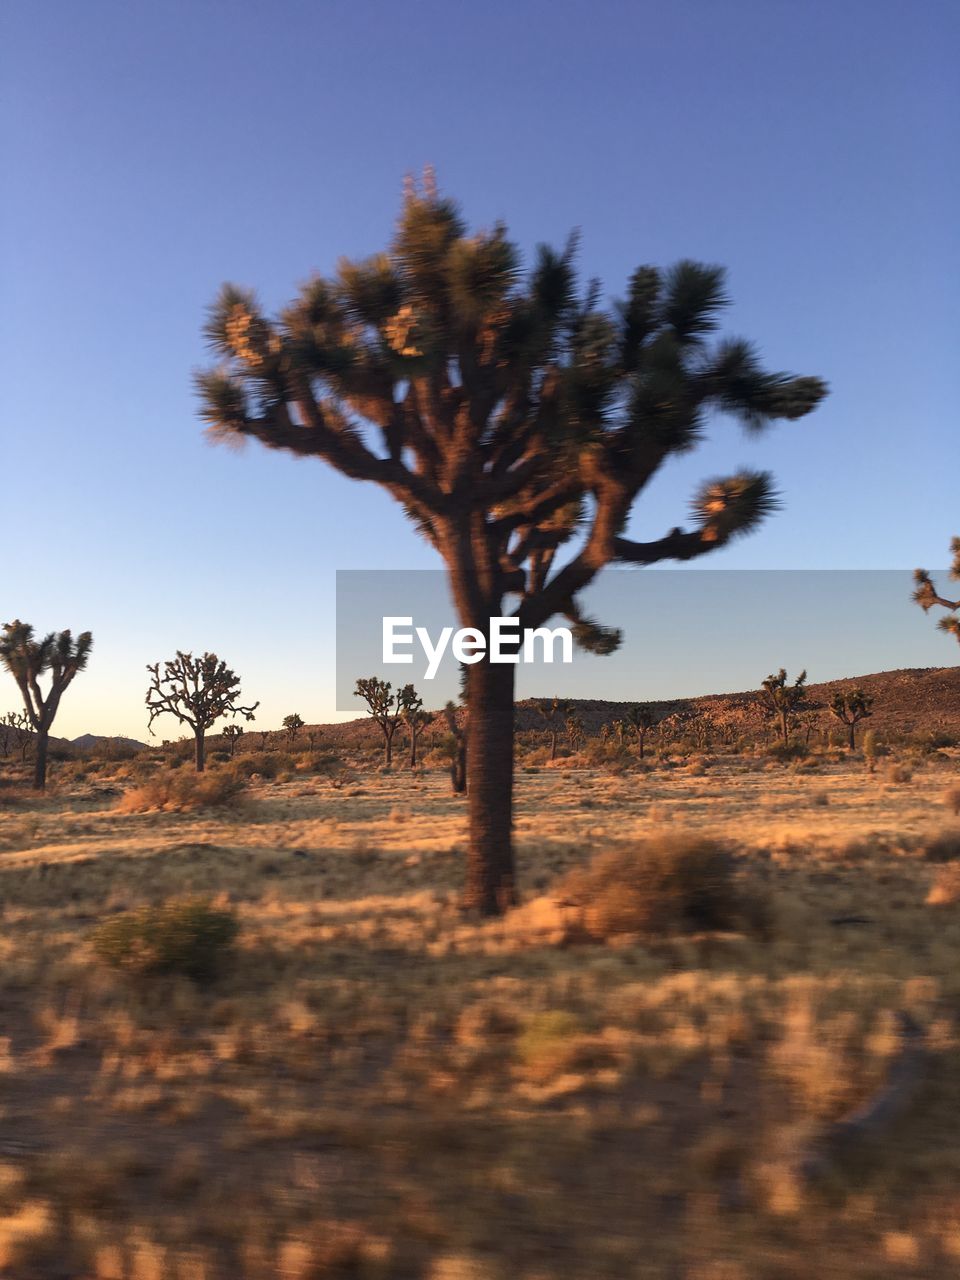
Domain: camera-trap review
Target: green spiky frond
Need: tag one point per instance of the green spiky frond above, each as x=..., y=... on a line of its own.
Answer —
x=503, y=400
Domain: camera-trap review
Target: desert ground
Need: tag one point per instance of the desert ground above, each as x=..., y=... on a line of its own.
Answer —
x=375, y=1086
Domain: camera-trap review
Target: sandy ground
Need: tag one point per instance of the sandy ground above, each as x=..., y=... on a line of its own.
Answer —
x=377, y=1087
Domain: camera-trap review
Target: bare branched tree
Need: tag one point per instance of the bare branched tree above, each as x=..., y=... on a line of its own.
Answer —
x=58, y=656
x=198, y=692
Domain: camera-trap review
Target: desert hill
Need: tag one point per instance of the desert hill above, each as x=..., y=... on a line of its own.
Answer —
x=911, y=700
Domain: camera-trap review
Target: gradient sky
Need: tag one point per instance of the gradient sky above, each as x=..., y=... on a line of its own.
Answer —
x=152, y=151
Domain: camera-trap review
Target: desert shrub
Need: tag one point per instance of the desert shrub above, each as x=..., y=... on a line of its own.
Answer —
x=945, y=890
x=180, y=791
x=787, y=753
x=191, y=939
x=266, y=764
x=897, y=774
x=936, y=740
x=942, y=848
x=673, y=881
x=952, y=800
x=12, y=794
x=549, y=1041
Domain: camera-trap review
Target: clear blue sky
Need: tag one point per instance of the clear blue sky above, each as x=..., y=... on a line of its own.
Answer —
x=152, y=151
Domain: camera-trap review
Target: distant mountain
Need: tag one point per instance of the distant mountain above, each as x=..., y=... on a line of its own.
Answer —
x=87, y=741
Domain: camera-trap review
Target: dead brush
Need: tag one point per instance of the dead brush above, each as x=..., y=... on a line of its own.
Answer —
x=190, y=938
x=182, y=792
x=951, y=799
x=945, y=890
x=679, y=882
x=944, y=847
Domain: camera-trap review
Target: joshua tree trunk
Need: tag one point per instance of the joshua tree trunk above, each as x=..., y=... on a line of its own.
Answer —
x=458, y=767
x=490, y=868
x=201, y=751
x=853, y=735
x=784, y=729
x=642, y=736
x=388, y=749
x=553, y=744
x=40, y=760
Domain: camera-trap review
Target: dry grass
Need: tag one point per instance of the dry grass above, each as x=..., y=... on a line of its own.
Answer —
x=376, y=1087
x=182, y=791
x=676, y=881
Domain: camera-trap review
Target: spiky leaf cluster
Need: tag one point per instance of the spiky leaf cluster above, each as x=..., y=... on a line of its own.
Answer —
x=503, y=406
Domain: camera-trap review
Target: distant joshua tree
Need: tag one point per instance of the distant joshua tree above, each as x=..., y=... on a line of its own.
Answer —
x=926, y=594
x=458, y=760
x=15, y=731
x=576, y=731
x=57, y=655
x=511, y=415
x=783, y=700
x=387, y=708
x=416, y=720
x=292, y=724
x=198, y=691
x=233, y=733
x=555, y=714
x=640, y=720
x=851, y=707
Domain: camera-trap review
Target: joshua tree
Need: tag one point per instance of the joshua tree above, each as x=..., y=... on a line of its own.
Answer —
x=387, y=708
x=576, y=731
x=198, y=691
x=852, y=707
x=233, y=733
x=292, y=724
x=641, y=720
x=458, y=757
x=508, y=414
x=57, y=655
x=784, y=700
x=555, y=714
x=313, y=737
x=926, y=594
x=15, y=731
x=416, y=720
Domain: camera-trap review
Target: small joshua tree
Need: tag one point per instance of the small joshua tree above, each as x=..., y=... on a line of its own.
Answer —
x=576, y=731
x=27, y=659
x=640, y=720
x=292, y=724
x=387, y=708
x=926, y=594
x=783, y=700
x=416, y=721
x=233, y=733
x=15, y=731
x=852, y=707
x=555, y=714
x=458, y=757
x=198, y=691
